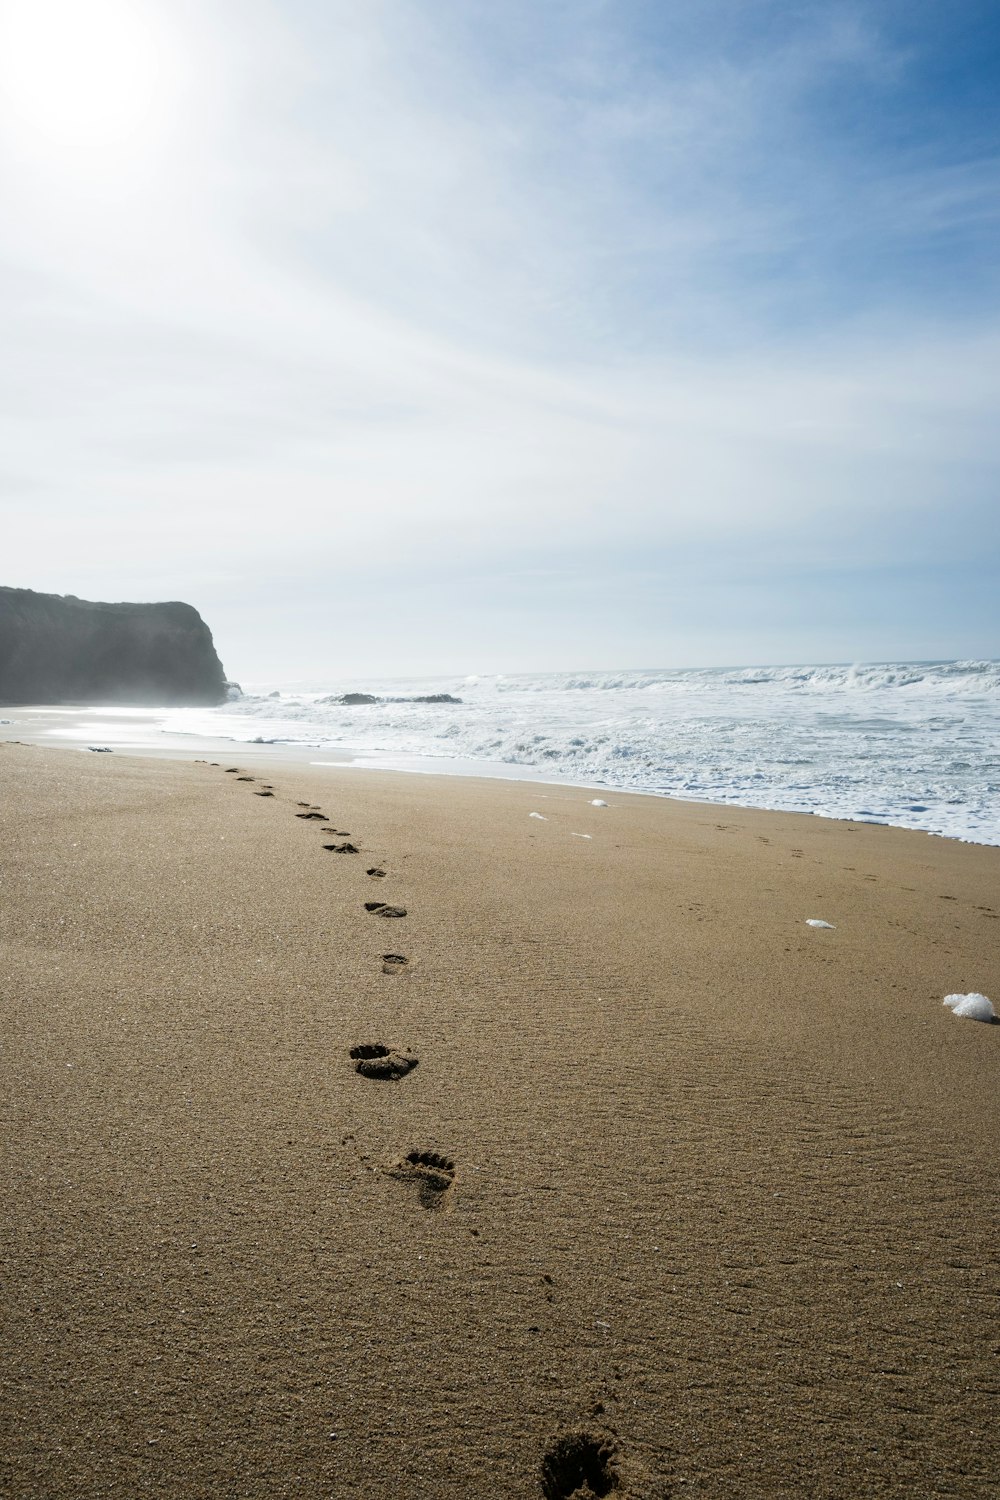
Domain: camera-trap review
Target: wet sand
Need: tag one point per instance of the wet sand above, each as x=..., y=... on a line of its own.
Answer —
x=682, y=1196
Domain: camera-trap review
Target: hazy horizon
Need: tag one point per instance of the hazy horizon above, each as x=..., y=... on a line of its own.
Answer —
x=308, y=684
x=437, y=338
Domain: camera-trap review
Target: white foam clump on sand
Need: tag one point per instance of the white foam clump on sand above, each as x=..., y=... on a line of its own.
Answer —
x=973, y=1007
x=599, y=802
x=540, y=816
x=581, y=835
x=815, y=922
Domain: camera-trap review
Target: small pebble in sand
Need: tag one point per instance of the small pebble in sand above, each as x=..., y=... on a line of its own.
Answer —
x=973, y=1007
x=815, y=922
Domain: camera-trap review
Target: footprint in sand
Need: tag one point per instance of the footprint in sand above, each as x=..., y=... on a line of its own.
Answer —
x=232, y=770
x=372, y=1060
x=379, y=874
x=246, y=778
x=342, y=848
x=312, y=817
x=382, y=909
x=392, y=963
x=434, y=1174
x=263, y=794
x=579, y=1464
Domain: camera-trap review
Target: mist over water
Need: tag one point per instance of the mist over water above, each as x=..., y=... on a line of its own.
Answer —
x=912, y=744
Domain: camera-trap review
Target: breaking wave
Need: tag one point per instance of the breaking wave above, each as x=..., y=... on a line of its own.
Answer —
x=944, y=677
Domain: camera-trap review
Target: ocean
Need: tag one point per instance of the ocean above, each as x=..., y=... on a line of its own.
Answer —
x=914, y=744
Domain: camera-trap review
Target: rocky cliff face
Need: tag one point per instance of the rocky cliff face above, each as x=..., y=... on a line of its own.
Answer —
x=60, y=649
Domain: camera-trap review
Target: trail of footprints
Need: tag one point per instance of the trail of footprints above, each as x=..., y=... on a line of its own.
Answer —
x=432, y=1172
x=576, y=1462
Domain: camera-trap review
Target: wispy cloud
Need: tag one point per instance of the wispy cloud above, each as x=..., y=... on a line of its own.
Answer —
x=434, y=289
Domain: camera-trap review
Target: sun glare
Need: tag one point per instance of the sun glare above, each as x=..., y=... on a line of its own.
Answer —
x=83, y=78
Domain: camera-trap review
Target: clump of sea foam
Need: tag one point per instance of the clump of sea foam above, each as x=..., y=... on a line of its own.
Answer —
x=973, y=1007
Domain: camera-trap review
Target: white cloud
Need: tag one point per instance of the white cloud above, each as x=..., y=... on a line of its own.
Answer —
x=359, y=309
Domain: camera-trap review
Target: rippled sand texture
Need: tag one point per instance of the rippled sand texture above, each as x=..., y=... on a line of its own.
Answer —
x=571, y=1161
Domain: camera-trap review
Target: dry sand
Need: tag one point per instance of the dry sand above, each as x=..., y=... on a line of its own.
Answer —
x=711, y=1187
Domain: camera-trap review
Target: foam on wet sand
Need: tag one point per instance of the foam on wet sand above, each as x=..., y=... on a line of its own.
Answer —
x=972, y=1007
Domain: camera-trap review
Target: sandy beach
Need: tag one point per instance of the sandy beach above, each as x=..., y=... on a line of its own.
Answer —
x=682, y=1196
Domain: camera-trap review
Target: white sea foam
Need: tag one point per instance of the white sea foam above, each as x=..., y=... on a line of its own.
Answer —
x=911, y=744
x=974, y=1007
x=540, y=816
x=815, y=922
x=598, y=802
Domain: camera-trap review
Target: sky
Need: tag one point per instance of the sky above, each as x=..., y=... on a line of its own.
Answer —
x=444, y=336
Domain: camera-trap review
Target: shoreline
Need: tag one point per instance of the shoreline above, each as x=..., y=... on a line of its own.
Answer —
x=184, y=747
x=695, y=1184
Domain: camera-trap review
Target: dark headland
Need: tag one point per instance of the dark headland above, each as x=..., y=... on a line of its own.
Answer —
x=56, y=648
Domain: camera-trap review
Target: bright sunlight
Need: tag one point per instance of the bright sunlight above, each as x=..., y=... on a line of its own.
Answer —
x=83, y=81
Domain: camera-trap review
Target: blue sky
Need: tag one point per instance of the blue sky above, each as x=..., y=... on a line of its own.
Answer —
x=452, y=336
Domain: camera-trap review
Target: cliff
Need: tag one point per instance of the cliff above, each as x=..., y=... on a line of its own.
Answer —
x=59, y=649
